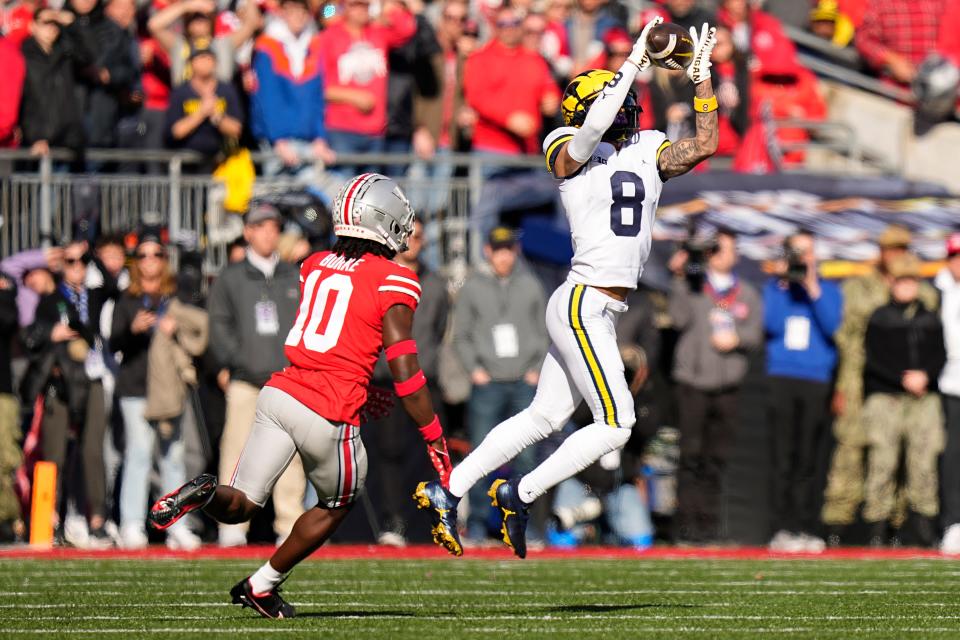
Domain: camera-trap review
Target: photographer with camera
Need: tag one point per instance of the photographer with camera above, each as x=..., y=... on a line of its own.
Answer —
x=718, y=318
x=801, y=314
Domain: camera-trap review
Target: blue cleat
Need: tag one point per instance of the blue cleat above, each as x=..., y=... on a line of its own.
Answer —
x=443, y=513
x=515, y=515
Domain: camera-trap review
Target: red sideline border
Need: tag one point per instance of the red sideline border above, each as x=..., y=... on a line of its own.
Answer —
x=430, y=552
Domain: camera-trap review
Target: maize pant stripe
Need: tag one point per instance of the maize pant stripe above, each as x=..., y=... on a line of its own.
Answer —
x=590, y=357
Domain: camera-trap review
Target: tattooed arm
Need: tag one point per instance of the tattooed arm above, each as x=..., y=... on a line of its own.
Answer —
x=684, y=155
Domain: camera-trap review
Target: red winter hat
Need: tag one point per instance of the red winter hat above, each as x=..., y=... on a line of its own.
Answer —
x=953, y=243
x=615, y=35
x=777, y=58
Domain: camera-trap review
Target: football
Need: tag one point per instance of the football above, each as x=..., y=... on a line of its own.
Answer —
x=670, y=46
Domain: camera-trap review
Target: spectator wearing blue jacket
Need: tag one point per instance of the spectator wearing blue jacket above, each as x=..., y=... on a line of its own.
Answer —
x=801, y=314
x=287, y=107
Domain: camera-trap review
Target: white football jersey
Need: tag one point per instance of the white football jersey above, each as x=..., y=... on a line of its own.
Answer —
x=611, y=203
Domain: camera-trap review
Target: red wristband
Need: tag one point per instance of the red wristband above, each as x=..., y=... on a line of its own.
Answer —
x=411, y=384
x=402, y=348
x=432, y=431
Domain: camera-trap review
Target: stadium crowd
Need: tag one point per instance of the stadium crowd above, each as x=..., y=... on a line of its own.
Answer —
x=309, y=79
x=131, y=379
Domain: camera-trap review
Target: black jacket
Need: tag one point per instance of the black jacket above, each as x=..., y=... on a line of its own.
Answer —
x=900, y=338
x=50, y=362
x=106, y=104
x=9, y=323
x=49, y=109
x=411, y=73
x=132, y=379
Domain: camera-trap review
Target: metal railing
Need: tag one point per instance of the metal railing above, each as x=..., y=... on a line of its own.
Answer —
x=832, y=136
x=39, y=204
x=846, y=56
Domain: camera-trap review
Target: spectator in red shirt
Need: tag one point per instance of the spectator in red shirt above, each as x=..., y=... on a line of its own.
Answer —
x=509, y=87
x=782, y=90
x=155, y=78
x=355, y=52
x=897, y=35
x=949, y=43
x=11, y=89
x=16, y=18
x=854, y=9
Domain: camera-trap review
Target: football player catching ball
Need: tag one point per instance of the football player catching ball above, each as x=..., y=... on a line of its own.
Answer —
x=610, y=175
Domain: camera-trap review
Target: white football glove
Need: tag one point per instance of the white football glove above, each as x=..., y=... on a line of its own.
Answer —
x=639, y=54
x=703, y=44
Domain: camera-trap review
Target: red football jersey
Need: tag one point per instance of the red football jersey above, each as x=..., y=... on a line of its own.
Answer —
x=338, y=335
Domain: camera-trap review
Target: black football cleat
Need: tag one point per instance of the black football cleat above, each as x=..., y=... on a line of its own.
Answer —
x=442, y=506
x=268, y=605
x=176, y=504
x=514, y=512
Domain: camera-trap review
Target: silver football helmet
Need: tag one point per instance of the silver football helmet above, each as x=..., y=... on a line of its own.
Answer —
x=372, y=206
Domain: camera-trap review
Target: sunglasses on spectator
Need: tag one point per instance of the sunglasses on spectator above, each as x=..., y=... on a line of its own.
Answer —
x=48, y=22
x=503, y=24
x=72, y=261
x=160, y=255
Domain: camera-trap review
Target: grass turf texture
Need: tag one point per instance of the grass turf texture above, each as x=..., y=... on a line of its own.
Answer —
x=574, y=598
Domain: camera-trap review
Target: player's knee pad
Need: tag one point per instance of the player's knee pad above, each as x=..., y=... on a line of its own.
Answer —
x=626, y=420
x=617, y=438
x=546, y=424
x=590, y=443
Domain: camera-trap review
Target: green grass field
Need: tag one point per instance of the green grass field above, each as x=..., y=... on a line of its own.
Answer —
x=431, y=599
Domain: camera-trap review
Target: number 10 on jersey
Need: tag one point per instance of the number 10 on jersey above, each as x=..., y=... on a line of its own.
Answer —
x=313, y=308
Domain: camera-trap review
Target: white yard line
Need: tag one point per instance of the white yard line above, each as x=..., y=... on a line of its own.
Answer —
x=450, y=593
x=559, y=617
x=486, y=629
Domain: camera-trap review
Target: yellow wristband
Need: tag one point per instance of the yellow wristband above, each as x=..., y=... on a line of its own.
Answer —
x=705, y=106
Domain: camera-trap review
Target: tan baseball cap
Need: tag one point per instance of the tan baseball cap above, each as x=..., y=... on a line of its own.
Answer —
x=895, y=235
